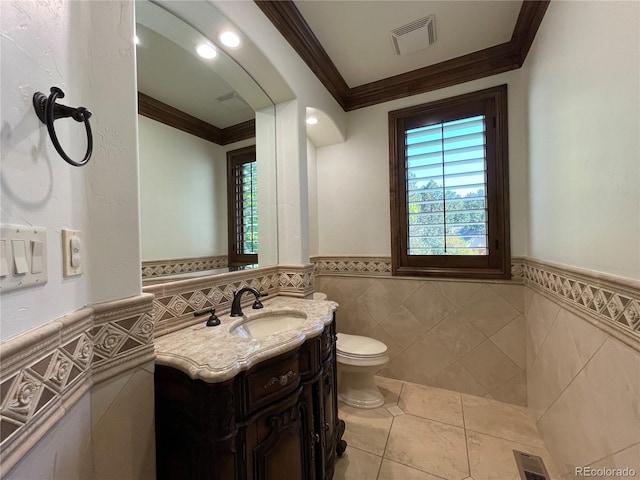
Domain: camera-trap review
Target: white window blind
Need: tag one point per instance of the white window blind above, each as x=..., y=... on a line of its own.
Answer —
x=246, y=182
x=446, y=185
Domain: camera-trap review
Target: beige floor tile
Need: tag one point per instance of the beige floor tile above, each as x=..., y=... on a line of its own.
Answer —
x=357, y=465
x=390, y=389
x=502, y=420
x=366, y=429
x=492, y=458
x=395, y=410
x=433, y=447
x=432, y=403
x=396, y=471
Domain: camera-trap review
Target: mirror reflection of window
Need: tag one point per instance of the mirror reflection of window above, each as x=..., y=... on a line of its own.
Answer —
x=242, y=203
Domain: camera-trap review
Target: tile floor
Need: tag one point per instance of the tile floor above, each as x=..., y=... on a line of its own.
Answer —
x=426, y=433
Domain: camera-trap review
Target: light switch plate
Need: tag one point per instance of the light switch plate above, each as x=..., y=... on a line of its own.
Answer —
x=72, y=253
x=20, y=264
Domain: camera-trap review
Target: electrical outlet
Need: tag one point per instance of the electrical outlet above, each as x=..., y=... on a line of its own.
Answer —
x=72, y=253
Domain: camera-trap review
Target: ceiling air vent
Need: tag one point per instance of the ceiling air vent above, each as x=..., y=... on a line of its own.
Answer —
x=233, y=101
x=414, y=36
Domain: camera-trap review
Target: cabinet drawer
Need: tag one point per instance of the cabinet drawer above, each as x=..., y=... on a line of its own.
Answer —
x=272, y=381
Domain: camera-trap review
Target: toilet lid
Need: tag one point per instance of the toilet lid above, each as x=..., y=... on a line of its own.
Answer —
x=357, y=345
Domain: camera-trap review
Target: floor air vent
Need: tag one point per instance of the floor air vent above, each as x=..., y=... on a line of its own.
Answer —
x=531, y=467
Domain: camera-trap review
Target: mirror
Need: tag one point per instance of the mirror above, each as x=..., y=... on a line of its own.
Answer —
x=193, y=111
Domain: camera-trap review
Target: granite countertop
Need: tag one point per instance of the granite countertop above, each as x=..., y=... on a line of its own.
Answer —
x=214, y=354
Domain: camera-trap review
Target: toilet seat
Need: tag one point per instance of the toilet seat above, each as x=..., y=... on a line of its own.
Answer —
x=357, y=346
x=360, y=351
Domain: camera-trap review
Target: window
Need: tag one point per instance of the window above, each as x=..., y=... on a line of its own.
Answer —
x=449, y=187
x=242, y=202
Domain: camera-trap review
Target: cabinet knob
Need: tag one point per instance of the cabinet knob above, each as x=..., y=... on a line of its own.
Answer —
x=326, y=427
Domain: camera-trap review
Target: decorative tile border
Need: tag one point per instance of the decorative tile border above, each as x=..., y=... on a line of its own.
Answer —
x=612, y=300
x=161, y=268
x=45, y=371
x=352, y=265
x=175, y=302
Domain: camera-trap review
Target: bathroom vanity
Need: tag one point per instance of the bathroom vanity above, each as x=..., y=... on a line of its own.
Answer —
x=231, y=404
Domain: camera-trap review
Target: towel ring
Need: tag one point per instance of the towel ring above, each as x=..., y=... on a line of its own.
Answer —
x=48, y=111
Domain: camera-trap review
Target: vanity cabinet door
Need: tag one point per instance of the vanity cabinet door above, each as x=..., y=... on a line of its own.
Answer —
x=278, y=442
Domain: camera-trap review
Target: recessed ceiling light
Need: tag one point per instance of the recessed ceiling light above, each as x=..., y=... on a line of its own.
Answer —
x=312, y=120
x=206, y=50
x=230, y=39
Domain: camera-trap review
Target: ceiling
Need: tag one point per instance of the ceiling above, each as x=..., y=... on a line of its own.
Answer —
x=162, y=65
x=174, y=79
x=347, y=44
x=356, y=34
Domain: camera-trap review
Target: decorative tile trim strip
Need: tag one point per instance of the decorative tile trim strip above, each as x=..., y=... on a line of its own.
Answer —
x=612, y=300
x=175, y=302
x=45, y=371
x=352, y=265
x=381, y=266
x=161, y=268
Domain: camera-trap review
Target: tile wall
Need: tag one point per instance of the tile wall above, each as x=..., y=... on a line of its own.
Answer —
x=583, y=387
x=462, y=336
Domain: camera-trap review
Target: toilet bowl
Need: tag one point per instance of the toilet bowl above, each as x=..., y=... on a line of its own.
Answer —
x=358, y=358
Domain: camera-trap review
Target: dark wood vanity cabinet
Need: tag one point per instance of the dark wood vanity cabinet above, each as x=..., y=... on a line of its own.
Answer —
x=276, y=421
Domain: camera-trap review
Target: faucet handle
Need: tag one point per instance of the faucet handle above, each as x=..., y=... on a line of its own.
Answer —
x=213, y=319
x=258, y=304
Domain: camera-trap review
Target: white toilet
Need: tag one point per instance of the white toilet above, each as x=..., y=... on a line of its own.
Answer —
x=358, y=358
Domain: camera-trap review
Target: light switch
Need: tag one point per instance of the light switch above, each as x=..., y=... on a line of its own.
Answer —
x=4, y=263
x=37, y=256
x=23, y=257
x=20, y=257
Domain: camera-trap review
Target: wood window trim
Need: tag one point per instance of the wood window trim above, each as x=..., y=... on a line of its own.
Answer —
x=235, y=158
x=497, y=265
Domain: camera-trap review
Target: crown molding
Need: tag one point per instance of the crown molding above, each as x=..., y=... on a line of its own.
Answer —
x=288, y=20
x=171, y=116
x=511, y=55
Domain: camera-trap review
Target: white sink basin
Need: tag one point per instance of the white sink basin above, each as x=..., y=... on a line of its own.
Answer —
x=271, y=323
